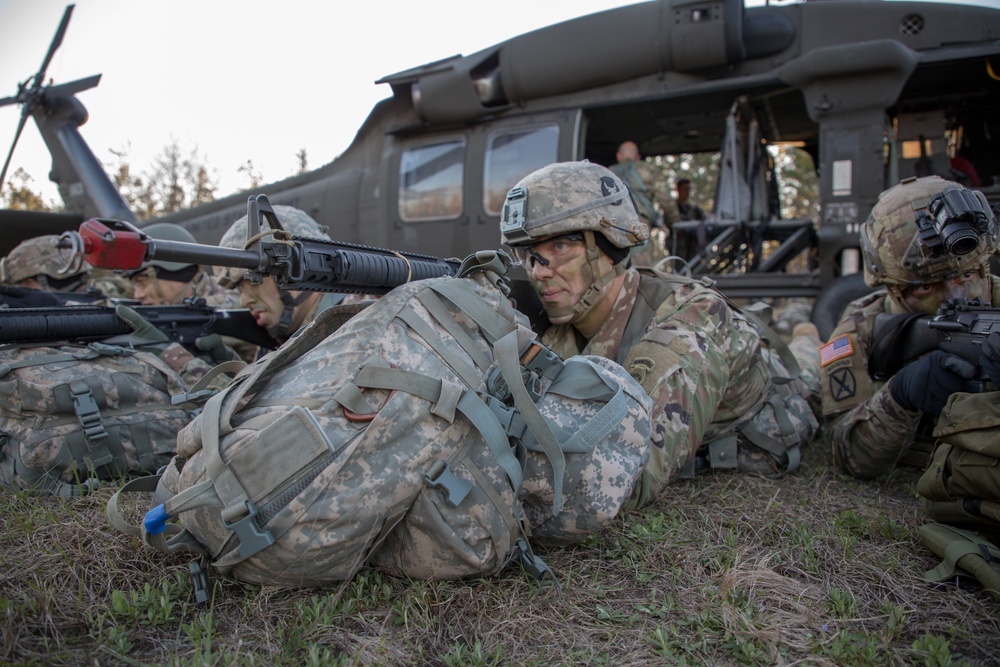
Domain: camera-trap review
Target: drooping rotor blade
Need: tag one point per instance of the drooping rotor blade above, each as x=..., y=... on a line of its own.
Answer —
x=72, y=87
x=56, y=41
x=10, y=153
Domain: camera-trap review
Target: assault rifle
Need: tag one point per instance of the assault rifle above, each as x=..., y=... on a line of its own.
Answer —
x=182, y=323
x=295, y=263
x=959, y=328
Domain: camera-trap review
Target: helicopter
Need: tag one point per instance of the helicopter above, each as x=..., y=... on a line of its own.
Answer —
x=874, y=91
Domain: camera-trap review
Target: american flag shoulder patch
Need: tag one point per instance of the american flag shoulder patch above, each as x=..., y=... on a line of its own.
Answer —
x=836, y=349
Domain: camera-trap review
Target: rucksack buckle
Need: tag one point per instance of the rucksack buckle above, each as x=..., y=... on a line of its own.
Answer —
x=199, y=580
x=454, y=487
x=540, y=359
x=88, y=413
x=252, y=538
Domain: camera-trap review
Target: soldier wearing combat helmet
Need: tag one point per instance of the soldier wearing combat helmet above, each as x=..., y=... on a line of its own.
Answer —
x=282, y=312
x=39, y=263
x=925, y=241
x=162, y=283
x=718, y=400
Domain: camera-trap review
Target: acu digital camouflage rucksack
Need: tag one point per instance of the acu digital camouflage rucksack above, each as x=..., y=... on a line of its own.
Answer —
x=961, y=488
x=73, y=415
x=430, y=435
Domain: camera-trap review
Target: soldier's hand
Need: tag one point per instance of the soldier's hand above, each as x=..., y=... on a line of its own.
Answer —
x=216, y=348
x=142, y=328
x=989, y=361
x=927, y=383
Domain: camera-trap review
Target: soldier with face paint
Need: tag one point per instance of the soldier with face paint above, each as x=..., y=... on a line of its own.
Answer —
x=926, y=240
x=722, y=398
x=282, y=312
x=163, y=283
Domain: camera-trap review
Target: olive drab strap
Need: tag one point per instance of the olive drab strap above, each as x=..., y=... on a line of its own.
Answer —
x=963, y=553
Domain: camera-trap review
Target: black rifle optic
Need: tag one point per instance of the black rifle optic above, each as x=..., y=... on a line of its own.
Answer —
x=295, y=262
x=181, y=324
x=959, y=328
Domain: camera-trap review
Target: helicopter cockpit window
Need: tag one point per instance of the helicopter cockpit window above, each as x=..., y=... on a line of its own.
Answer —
x=513, y=154
x=430, y=181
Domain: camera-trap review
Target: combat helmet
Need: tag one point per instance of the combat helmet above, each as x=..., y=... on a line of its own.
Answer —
x=294, y=221
x=926, y=230
x=569, y=198
x=40, y=258
x=154, y=268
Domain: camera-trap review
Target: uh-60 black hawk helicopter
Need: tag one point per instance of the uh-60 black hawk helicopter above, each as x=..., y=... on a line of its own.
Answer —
x=874, y=91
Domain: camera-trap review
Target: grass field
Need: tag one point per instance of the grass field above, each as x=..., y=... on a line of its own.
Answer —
x=813, y=569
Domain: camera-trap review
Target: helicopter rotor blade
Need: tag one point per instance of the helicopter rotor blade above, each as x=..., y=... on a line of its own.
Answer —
x=10, y=154
x=56, y=41
x=72, y=87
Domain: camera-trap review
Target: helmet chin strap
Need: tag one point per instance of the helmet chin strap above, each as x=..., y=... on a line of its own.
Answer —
x=280, y=331
x=598, y=281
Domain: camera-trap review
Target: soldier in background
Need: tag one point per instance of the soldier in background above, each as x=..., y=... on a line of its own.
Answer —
x=282, y=312
x=722, y=398
x=39, y=264
x=687, y=209
x=872, y=423
x=162, y=283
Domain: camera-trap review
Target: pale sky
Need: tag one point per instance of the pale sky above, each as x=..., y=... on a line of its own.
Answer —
x=239, y=79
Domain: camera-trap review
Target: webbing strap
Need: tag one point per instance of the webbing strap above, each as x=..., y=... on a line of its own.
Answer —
x=581, y=381
x=788, y=444
x=469, y=374
x=506, y=352
x=492, y=322
x=965, y=543
x=439, y=311
x=470, y=405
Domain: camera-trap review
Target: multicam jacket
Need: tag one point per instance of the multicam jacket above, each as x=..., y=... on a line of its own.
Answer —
x=866, y=428
x=700, y=361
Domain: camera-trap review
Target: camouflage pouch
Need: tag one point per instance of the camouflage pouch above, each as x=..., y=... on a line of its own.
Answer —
x=73, y=415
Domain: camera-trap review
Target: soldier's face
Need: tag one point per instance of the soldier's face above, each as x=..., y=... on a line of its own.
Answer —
x=156, y=292
x=929, y=297
x=263, y=301
x=560, y=274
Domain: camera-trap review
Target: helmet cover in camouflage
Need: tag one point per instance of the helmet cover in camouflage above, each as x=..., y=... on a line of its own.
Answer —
x=568, y=197
x=167, y=231
x=40, y=256
x=900, y=245
x=295, y=221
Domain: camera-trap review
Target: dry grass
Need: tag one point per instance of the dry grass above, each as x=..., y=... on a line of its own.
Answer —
x=813, y=569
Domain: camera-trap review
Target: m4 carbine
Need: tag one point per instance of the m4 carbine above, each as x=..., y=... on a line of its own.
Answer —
x=182, y=323
x=295, y=263
x=959, y=328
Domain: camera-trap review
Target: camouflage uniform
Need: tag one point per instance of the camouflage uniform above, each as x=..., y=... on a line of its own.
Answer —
x=703, y=365
x=714, y=385
x=867, y=429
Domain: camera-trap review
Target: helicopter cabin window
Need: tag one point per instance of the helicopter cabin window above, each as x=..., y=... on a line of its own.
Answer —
x=430, y=181
x=512, y=155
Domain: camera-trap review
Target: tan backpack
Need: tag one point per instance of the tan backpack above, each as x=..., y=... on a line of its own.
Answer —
x=403, y=437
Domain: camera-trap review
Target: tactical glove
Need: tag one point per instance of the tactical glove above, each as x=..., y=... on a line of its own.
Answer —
x=142, y=328
x=927, y=383
x=216, y=348
x=990, y=359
